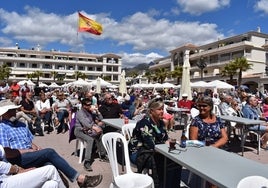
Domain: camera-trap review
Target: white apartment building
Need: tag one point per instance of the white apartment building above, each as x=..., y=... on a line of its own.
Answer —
x=251, y=45
x=24, y=62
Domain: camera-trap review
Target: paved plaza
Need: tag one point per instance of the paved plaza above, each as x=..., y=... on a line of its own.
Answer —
x=60, y=143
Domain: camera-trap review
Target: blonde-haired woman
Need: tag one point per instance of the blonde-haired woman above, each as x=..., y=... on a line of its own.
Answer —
x=149, y=131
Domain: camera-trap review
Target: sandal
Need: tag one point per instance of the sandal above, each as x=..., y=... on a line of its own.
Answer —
x=91, y=181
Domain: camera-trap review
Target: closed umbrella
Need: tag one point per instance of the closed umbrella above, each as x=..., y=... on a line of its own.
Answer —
x=98, y=85
x=123, y=85
x=185, y=82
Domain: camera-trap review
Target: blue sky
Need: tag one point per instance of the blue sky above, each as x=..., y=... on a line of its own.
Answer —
x=137, y=30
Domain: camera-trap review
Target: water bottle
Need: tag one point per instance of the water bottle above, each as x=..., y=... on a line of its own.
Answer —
x=183, y=139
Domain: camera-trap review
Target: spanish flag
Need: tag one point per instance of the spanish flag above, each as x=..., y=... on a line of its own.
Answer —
x=88, y=25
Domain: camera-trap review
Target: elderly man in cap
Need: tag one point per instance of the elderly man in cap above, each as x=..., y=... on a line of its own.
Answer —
x=15, y=135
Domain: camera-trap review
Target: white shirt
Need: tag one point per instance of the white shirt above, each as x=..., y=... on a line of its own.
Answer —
x=40, y=105
x=4, y=165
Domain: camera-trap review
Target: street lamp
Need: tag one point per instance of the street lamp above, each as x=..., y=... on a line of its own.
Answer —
x=201, y=65
x=266, y=70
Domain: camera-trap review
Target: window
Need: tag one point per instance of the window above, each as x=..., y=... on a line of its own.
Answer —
x=81, y=68
x=46, y=66
x=70, y=67
x=46, y=76
x=22, y=65
x=115, y=69
x=34, y=65
x=9, y=64
x=60, y=67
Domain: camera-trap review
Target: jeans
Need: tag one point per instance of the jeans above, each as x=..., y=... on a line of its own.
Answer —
x=46, y=117
x=45, y=156
x=61, y=115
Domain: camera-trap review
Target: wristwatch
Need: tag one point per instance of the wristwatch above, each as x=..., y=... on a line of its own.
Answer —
x=17, y=169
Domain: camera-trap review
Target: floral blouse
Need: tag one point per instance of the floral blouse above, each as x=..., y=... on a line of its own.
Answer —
x=146, y=134
x=208, y=130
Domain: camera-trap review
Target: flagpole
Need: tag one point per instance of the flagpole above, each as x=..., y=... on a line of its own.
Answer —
x=77, y=28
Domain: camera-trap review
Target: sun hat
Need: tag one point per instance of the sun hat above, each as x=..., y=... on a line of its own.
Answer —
x=6, y=105
x=2, y=111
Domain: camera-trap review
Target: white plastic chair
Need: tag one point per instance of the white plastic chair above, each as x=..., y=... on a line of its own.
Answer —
x=253, y=182
x=127, y=130
x=129, y=179
x=216, y=110
x=81, y=150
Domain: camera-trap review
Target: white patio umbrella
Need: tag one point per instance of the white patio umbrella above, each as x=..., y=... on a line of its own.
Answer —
x=185, y=82
x=98, y=85
x=168, y=85
x=103, y=83
x=54, y=85
x=41, y=84
x=80, y=83
x=219, y=84
x=29, y=83
x=199, y=84
x=123, y=84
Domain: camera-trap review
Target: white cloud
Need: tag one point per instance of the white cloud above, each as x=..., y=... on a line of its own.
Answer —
x=130, y=60
x=144, y=32
x=5, y=42
x=262, y=6
x=140, y=31
x=197, y=7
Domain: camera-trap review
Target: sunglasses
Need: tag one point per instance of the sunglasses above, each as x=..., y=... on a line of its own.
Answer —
x=202, y=105
x=109, y=98
x=88, y=104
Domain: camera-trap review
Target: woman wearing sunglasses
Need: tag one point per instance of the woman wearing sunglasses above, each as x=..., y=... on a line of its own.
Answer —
x=207, y=126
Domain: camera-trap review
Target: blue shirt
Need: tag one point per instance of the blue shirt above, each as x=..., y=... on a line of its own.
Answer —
x=15, y=135
x=253, y=113
x=250, y=113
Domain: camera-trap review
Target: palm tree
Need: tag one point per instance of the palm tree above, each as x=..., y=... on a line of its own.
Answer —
x=148, y=75
x=229, y=70
x=37, y=74
x=5, y=71
x=83, y=76
x=30, y=76
x=77, y=74
x=161, y=75
x=241, y=65
x=54, y=74
x=177, y=73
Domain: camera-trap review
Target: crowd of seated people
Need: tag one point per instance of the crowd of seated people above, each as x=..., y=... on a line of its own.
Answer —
x=134, y=105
